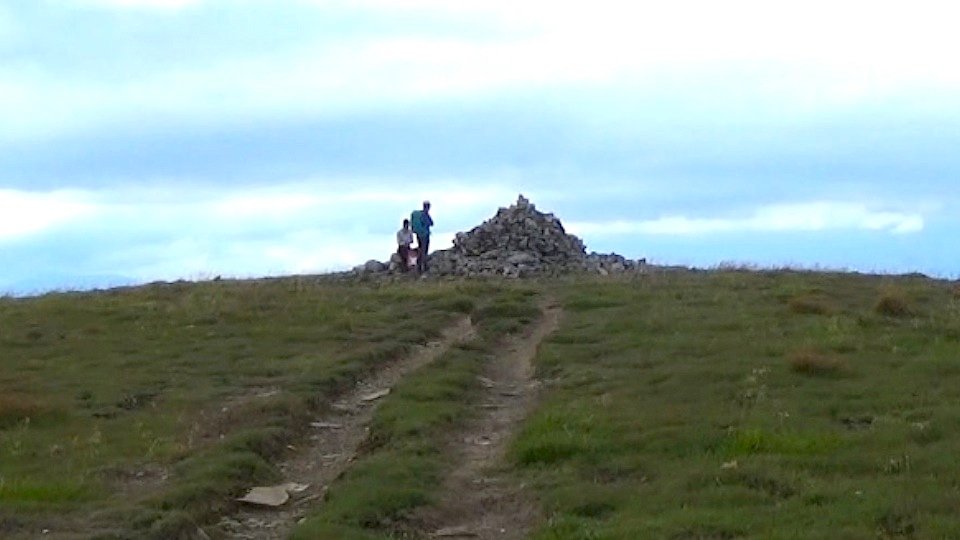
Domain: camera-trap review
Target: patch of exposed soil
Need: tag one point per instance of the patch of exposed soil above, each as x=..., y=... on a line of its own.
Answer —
x=332, y=446
x=479, y=500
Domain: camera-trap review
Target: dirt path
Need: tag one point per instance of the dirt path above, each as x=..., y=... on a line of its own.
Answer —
x=333, y=445
x=479, y=501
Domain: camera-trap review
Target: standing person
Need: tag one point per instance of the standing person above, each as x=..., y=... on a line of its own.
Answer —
x=421, y=222
x=404, y=239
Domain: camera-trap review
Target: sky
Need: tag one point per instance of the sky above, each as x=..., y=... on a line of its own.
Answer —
x=145, y=140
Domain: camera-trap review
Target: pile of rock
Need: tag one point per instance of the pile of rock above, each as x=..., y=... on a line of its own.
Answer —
x=518, y=241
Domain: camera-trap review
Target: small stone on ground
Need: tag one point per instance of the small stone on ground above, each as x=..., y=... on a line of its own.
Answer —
x=375, y=395
x=454, y=532
x=272, y=495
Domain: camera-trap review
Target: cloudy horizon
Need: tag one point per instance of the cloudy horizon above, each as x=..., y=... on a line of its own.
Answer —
x=163, y=139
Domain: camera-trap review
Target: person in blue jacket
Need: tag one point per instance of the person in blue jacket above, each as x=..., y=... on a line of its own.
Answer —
x=420, y=222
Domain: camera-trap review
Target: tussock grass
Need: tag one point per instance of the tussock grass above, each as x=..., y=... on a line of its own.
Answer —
x=505, y=315
x=587, y=302
x=19, y=409
x=552, y=439
x=752, y=441
x=25, y=494
x=459, y=303
x=808, y=361
x=893, y=302
x=811, y=304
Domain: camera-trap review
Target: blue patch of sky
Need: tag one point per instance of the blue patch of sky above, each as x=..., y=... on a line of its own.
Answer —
x=88, y=41
x=872, y=155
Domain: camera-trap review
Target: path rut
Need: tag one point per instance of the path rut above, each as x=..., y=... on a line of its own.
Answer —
x=480, y=501
x=333, y=446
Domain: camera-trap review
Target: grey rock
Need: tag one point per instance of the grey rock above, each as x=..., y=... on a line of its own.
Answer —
x=373, y=266
x=521, y=258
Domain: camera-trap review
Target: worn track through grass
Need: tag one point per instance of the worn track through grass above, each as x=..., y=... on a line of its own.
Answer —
x=329, y=452
x=478, y=500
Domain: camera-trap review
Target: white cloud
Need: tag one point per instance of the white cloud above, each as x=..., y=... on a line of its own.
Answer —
x=294, y=227
x=627, y=36
x=170, y=5
x=799, y=217
x=25, y=213
x=300, y=227
x=310, y=198
x=813, y=56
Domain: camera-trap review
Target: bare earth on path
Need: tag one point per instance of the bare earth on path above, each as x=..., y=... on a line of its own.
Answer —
x=478, y=501
x=333, y=446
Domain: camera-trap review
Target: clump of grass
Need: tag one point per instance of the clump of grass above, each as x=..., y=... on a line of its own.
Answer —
x=808, y=304
x=18, y=408
x=897, y=524
x=711, y=532
x=590, y=300
x=956, y=291
x=923, y=433
x=815, y=363
x=551, y=439
x=762, y=481
x=752, y=441
x=893, y=303
x=22, y=492
x=503, y=317
x=459, y=304
x=174, y=525
x=507, y=310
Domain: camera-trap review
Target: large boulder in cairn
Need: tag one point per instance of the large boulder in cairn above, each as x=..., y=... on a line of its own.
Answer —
x=372, y=266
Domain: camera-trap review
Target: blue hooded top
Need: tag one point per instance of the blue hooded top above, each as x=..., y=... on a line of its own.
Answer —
x=421, y=222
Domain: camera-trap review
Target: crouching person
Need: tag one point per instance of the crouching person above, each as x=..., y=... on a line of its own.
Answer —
x=404, y=240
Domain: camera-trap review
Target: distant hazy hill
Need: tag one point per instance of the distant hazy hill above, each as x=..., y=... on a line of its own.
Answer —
x=42, y=283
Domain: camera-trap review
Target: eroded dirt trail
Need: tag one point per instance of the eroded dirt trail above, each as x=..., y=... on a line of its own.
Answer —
x=333, y=445
x=478, y=500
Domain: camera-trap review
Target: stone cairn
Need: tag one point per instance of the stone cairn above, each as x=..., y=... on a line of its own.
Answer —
x=518, y=241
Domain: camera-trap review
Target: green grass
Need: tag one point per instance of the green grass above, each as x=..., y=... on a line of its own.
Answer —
x=206, y=381
x=737, y=404
x=721, y=404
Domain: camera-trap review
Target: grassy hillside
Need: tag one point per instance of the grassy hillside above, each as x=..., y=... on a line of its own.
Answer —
x=741, y=404
x=151, y=405
x=675, y=405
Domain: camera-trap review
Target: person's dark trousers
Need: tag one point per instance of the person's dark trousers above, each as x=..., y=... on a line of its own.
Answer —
x=423, y=243
x=404, y=252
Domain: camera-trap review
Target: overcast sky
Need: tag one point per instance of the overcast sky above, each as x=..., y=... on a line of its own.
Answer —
x=165, y=139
